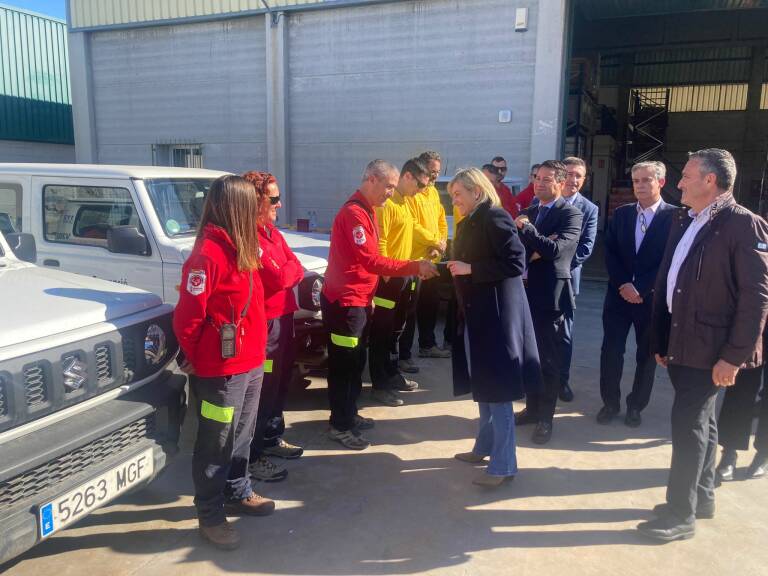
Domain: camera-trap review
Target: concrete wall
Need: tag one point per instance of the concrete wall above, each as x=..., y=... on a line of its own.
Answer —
x=16, y=151
x=192, y=83
x=396, y=79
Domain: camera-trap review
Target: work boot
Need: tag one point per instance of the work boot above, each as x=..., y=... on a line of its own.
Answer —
x=488, y=481
x=470, y=457
x=284, y=449
x=223, y=536
x=254, y=505
x=264, y=470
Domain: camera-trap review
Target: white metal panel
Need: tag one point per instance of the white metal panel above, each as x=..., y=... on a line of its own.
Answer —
x=199, y=83
x=97, y=13
x=391, y=80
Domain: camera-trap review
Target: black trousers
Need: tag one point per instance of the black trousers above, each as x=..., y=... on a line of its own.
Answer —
x=694, y=440
x=549, y=328
x=618, y=318
x=347, y=328
x=734, y=424
x=270, y=423
x=226, y=410
x=405, y=343
x=392, y=302
x=450, y=320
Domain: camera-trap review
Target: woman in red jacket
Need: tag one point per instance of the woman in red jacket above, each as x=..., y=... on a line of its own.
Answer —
x=280, y=272
x=219, y=322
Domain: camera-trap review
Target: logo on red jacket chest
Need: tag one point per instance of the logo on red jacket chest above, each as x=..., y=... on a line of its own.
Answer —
x=196, y=282
x=358, y=235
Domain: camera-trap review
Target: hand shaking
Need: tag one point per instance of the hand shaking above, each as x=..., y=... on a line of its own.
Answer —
x=427, y=270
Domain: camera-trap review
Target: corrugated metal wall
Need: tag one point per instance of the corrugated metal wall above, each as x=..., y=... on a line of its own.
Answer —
x=97, y=13
x=35, y=102
x=198, y=83
x=391, y=80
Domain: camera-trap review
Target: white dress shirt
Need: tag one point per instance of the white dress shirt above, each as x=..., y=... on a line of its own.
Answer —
x=684, y=246
x=644, y=216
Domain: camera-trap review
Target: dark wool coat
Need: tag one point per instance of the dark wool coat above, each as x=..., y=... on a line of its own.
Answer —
x=493, y=307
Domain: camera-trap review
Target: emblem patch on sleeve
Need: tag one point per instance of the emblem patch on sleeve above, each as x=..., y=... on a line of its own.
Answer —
x=762, y=246
x=358, y=235
x=196, y=282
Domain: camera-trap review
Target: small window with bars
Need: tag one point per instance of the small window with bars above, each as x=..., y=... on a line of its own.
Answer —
x=178, y=155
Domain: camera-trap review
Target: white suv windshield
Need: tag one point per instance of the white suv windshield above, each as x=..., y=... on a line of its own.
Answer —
x=178, y=202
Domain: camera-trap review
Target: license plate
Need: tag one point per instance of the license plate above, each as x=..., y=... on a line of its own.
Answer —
x=78, y=502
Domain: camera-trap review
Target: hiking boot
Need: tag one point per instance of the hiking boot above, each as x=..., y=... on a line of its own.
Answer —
x=404, y=385
x=284, y=449
x=434, y=352
x=386, y=397
x=264, y=470
x=254, y=505
x=363, y=423
x=470, y=457
x=408, y=366
x=348, y=439
x=488, y=481
x=223, y=536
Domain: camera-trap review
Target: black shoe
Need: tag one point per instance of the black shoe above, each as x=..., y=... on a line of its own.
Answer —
x=543, y=433
x=758, y=468
x=704, y=510
x=727, y=466
x=524, y=418
x=606, y=415
x=566, y=394
x=667, y=529
x=633, y=419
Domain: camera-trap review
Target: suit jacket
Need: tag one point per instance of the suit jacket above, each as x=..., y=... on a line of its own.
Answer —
x=721, y=294
x=623, y=263
x=587, y=238
x=555, y=240
x=493, y=310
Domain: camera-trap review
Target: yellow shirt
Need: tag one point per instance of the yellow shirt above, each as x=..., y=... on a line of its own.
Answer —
x=395, y=228
x=430, y=225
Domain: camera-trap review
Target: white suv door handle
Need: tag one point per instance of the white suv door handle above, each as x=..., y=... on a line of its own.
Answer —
x=49, y=262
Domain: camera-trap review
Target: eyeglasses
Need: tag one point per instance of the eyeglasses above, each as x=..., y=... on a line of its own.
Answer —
x=501, y=168
x=274, y=200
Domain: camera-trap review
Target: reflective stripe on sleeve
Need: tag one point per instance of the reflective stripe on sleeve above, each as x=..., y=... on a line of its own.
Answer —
x=267, y=366
x=223, y=414
x=344, y=341
x=384, y=303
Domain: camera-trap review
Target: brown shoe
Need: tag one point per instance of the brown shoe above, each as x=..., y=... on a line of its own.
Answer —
x=254, y=505
x=223, y=536
x=489, y=481
x=470, y=457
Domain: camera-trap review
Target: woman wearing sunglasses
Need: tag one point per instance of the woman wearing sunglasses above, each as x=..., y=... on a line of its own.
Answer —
x=280, y=272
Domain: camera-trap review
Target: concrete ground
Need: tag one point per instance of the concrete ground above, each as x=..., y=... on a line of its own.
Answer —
x=405, y=506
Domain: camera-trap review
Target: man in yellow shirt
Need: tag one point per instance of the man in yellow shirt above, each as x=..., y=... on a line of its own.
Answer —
x=394, y=295
x=430, y=238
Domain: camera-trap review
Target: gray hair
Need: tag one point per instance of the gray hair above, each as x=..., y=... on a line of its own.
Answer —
x=379, y=169
x=429, y=156
x=658, y=168
x=718, y=162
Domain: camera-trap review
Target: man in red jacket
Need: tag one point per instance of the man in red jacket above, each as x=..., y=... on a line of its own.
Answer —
x=526, y=195
x=354, y=267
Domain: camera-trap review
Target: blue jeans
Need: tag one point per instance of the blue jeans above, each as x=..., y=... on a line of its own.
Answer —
x=496, y=438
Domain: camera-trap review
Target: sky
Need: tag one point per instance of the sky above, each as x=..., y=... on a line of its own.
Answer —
x=55, y=8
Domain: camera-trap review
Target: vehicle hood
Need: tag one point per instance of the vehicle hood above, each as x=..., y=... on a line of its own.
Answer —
x=311, y=249
x=37, y=302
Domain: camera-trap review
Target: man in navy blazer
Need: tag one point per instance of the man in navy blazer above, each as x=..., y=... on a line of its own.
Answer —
x=550, y=233
x=634, y=246
x=576, y=176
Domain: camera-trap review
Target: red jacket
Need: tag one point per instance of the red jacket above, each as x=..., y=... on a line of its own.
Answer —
x=354, y=263
x=280, y=272
x=212, y=291
x=525, y=198
x=507, y=199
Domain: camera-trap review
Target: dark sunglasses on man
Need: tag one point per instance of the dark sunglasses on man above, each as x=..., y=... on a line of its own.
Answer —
x=274, y=200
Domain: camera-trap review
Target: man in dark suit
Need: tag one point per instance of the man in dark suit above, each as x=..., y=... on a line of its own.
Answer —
x=709, y=308
x=634, y=245
x=576, y=176
x=550, y=233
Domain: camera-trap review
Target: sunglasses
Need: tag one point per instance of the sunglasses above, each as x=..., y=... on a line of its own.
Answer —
x=501, y=168
x=273, y=200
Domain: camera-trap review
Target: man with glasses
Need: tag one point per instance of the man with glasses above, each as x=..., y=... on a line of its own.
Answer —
x=394, y=296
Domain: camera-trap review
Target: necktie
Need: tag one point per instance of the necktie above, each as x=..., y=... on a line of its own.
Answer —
x=643, y=223
x=540, y=216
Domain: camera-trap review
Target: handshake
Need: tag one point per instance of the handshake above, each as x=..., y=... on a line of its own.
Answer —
x=427, y=270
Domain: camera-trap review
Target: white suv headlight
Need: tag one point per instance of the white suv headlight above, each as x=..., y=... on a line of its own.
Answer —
x=154, y=345
x=317, y=288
